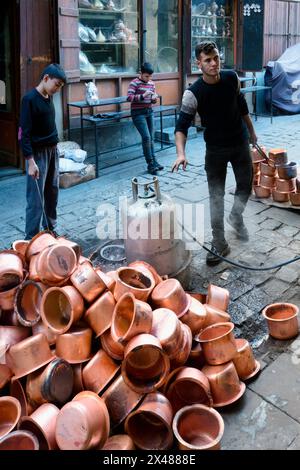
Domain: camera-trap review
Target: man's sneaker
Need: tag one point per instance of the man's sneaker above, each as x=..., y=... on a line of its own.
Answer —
x=239, y=227
x=152, y=170
x=157, y=165
x=212, y=258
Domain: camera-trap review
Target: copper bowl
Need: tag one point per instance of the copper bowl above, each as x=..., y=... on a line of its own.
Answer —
x=99, y=314
x=19, y=440
x=45, y=330
x=78, y=380
x=278, y=196
x=99, y=372
x=38, y=243
x=7, y=298
x=218, y=343
x=196, y=358
x=198, y=427
x=170, y=294
x=167, y=328
x=120, y=400
x=145, y=365
x=295, y=199
x=244, y=361
x=267, y=181
x=109, y=281
x=86, y=280
x=83, y=423
x=61, y=308
x=131, y=317
x=10, y=413
x=17, y=391
x=195, y=317
x=53, y=384
x=201, y=297
x=11, y=269
x=56, y=264
x=28, y=303
x=70, y=244
x=282, y=320
x=256, y=179
x=5, y=375
x=217, y=297
x=256, y=168
x=286, y=186
x=10, y=335
x=267, y=170
x=184, y=348
x=112, y=347
x=29, y=355
x=42, y=423
x=75, y=345
x=150, y=426
x=20, y=246
x=134, y=281
x=287, y=171
x=278, y=156
x=119, y=442
x=225, y=385
x=215, y=315
x=189, y=386
x=261, y=192
x=147, y=269
x=33, y=275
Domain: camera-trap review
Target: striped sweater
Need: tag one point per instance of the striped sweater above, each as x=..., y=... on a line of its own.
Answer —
x=135, y=93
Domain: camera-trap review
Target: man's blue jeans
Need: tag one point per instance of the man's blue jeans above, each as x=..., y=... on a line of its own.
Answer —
x=144, y=123
x=47, y=161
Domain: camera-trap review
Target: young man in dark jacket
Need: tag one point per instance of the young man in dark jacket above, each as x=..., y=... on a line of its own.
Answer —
x=228, y=128
x=38, y=139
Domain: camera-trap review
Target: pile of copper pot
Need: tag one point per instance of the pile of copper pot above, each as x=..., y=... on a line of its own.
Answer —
x=275, y=176
x=116, y=360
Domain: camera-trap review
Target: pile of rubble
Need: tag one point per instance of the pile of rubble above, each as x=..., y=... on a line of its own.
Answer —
x=116, y=360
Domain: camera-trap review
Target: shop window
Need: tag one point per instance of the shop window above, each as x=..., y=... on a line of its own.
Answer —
x=108, y=37
x=162, y=35
x=213, y=21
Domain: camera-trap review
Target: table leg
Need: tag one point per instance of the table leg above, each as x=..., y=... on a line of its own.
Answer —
x=69, y=125
x=96, y=151
x=161, y=131
x=81, y=128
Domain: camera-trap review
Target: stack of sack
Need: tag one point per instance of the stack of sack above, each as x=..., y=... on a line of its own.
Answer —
x=72, y=167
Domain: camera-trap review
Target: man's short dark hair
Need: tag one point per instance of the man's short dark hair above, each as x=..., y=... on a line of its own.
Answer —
x=206, y=47
x=54, y=71
x=147, y=68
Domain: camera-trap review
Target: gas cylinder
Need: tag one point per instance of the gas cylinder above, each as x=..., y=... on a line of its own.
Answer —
x=151, y=231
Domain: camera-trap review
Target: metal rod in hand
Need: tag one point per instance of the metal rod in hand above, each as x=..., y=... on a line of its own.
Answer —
x=42, y=203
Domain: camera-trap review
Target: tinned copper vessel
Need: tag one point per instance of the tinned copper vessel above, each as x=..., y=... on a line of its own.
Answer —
x=170, y=294
x=112, y=347
x=195, y=317
x=261, y=192
x=99, y=314
x=28, y=302
x=42, y=423
x=133, y=281
x=55, y=264
x=38, y=243
x=282, y=320
x=99, y=371
x=225, y=385
x=147, y=269
x=217, y=297
x=10, y=413
x=244, y=361
x=86, y=280
x=75, y=345
x=215, y=315
x=11, y=269
x=218, y=343
x=167, y=328
x=19, y=440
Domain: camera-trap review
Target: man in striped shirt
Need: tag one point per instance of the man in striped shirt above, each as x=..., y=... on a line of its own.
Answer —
x=142, y=94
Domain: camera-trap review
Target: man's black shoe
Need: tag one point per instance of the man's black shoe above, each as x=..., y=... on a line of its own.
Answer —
x=239, y=227
x=212, y=259
x=157, y=165
x=152, y=170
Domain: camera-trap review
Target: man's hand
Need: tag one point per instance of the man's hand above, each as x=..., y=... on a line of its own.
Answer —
x=253, y=138
x=180, y=161
x=33, y=169
x=147, y=94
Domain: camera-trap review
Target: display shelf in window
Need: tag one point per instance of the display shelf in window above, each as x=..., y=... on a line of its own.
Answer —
x=108, y=37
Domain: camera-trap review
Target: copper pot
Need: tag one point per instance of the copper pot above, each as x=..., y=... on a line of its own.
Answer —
x=17, y=391
x=150, y=426
x=42, y=423
x=256, y=156
x=196, y=358
x=55, y=264
x=54, y=383
x=217, y=297
x=225, y=385
x=195, y=317
x=5, y=375
x=109, y=281
x=167, y=328
x=112, y=347
x=278, y=156
x=147, y=269
x=10, y=413
x=130, y=318
x=120, y=401
x=10, y=335
x=278, y=196
x=189, y=386
x=70, y=244
x=86, y=280
x=261, y=192
x=61, y=308
x=287, y=171
x=267, y=170
x=7, y=298
x=170, y=294
x=201, y=297
x=19, y=440
x=295, y=199
x=282, y=320
x=218, y=343
x=45, y=330
x=28, y=302
x=75, y=345
x=133, y=281
x=78, y=380
x=99, y=315
x=99, y=371
x=286, y=186
x=83, y=423
x=38, y=243
x=119, y=442
x=184, y=348
x=246, y=365
x=145, y=365
x=256, y=168
x=20, y=246
x=256, y=180
x=267, y=181
x=11, y=269
x=29, y=355
x=214, y=315
x=33, y=275
x=197, y=427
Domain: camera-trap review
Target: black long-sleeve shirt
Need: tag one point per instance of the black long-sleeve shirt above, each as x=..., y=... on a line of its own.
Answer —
x=37, y=123
x=220, y=106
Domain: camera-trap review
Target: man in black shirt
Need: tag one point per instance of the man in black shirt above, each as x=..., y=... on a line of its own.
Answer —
x=224, y=115
x=38, y=138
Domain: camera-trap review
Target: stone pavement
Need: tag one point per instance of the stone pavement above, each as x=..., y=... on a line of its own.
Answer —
x=268, y=415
